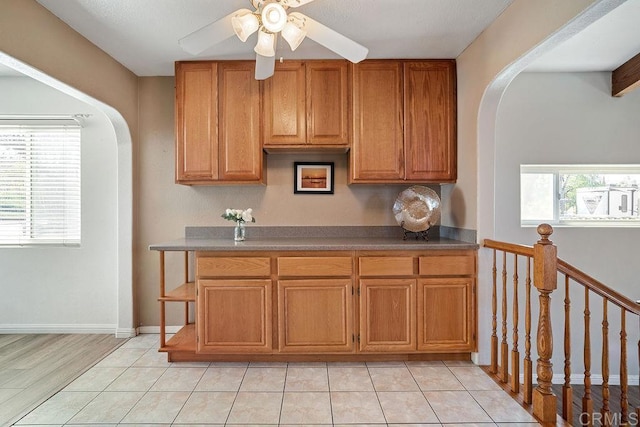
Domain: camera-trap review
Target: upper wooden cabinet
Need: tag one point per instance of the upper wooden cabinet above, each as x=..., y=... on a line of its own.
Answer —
x=404, y=116
x=196, y=121
x=398, y=117
x=377, y=152
x=218, y=136
x=306, y=106
x=430, y=121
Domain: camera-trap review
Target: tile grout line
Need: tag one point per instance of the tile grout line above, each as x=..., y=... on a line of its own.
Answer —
x=425, y=397
x=246, y=369
x=190, y=393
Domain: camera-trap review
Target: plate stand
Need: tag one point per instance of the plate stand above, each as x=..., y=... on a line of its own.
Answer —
x=418, y=234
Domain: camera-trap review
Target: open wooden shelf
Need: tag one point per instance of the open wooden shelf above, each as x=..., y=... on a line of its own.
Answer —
x=183, y=340
x=185, y=292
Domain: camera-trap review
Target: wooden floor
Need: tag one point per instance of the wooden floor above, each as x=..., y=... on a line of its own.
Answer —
x=33, y=367
x=596, y=396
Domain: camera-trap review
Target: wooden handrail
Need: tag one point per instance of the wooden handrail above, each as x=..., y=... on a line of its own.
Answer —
x=598, y=287
x=513, y=248
x=574, y=273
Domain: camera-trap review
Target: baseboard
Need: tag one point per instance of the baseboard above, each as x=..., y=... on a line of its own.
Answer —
x=57, y=329
x=156, y=329
x=126, y=333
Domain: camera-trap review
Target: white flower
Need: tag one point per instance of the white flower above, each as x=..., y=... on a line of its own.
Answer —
x=239, y=215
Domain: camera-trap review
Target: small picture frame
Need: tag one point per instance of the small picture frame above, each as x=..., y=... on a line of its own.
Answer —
x=313, y=177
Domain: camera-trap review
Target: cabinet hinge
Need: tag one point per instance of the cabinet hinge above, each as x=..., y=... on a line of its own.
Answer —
x=352, y=291
x=353, y=337
x=358, y=290
x=358, y=338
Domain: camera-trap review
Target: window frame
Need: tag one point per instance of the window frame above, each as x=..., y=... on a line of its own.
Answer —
x=70, y=200
x=556, y=171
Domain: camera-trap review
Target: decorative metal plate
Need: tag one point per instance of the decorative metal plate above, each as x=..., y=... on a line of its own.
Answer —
x=417, y=208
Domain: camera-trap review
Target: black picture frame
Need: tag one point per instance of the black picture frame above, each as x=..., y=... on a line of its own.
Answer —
x=313, y=177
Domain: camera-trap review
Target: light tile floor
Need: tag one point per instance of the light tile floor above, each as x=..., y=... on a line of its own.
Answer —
x=135, y=385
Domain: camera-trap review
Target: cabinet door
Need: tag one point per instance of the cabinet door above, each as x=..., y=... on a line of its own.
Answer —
x=239, y=103
x=327, y=103
x=445, y=314
x=387, y=315
x=196, y=122
x=377, y=152
x=284, y=105
x=429, y=120
x=315, y=316
x=234, y=316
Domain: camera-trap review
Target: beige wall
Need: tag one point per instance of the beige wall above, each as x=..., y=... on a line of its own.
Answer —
x=31, y=34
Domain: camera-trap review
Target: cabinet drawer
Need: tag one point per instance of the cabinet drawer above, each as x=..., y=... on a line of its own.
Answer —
x=386, y=266
x=315, y=266
x=234, y=267
x=447, y=265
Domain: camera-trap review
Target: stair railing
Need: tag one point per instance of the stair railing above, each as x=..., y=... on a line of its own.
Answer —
x=542, y=268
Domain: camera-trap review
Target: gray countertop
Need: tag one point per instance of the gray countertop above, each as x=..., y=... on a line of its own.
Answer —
x=318, y=238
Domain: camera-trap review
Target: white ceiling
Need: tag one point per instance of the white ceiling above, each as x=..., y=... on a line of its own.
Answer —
x=143, y=34
x=603, y=46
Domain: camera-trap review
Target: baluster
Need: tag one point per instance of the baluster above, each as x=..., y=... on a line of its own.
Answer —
x=494, y=319
x=567, y=391
x=624, y=381
x=515, y=354
x=587, y=402
x=504, y=347
x=528, y=367
x=545, y=267
x=606, y=414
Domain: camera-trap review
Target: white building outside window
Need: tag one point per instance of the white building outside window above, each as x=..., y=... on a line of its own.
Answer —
x=580, y=195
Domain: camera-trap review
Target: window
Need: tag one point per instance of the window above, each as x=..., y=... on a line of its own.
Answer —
x=577, y=196
x=39, y=183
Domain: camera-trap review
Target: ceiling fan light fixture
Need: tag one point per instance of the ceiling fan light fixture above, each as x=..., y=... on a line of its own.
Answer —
x=274, y=17
x=293, y=34
x=244, y=24
x=266, y=43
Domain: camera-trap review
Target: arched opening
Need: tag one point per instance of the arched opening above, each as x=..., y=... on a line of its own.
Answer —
x=486, y=140
x=123, y=282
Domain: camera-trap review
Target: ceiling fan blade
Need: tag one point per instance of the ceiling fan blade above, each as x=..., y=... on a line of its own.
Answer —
x=294, y=3
x=265, y=66
x=207, y=36
x=334, y=41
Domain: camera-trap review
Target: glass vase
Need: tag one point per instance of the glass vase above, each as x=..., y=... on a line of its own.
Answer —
x=239, y=231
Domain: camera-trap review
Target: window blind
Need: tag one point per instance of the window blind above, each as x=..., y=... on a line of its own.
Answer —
x=40, y=183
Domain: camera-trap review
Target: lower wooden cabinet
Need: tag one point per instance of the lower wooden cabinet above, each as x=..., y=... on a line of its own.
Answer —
x=446, y=314
x=388, y=315
x=337, y=303
x=234, y=316
x=315, y=316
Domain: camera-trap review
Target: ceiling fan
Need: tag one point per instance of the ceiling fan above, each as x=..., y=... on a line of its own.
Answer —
x=270, y=18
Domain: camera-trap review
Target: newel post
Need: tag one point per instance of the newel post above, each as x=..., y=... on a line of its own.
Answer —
x=545, y=260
